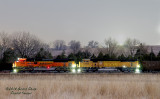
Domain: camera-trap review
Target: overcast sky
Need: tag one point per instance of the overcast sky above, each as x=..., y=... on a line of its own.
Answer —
x=83, y=20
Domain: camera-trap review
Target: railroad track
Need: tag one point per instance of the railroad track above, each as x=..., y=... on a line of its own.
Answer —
x=98, y=72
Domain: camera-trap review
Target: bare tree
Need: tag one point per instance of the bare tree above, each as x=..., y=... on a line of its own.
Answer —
x=142, y=51
x=111, y=45
x=131, y=45
x=121, y=50
x=45, y=46
x=93, y=44
x=4, y=43
x=59, y=45
x=74, y=45
x=25, y=44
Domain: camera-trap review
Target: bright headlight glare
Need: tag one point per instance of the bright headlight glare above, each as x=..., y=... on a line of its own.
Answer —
x=13, y=65
x=138, y=66
x=79, y=70
x=73, y=70
x=15, y=70
x=124, y=66
x=137, y=71
x=74, y=65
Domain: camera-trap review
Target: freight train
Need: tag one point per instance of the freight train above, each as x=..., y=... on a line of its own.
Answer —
x=68, y=65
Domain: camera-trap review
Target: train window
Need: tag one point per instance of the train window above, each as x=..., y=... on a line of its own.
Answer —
x=21, y=60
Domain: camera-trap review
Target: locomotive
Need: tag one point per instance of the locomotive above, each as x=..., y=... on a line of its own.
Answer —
x=24, y=64
x=69, y=65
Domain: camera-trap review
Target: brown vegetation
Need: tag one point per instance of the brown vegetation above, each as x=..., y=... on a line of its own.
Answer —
x=82, y=86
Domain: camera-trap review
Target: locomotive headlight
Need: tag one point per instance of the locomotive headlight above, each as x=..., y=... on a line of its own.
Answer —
x=15, y=70
x=79, y=70
x=74, y=65
x=73, y=70
x=138, y=66
x=124, y=66
x=13, y=65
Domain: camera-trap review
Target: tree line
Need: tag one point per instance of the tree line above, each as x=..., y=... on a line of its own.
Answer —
x=26, y=45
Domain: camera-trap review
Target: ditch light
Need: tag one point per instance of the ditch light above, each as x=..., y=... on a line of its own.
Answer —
x=137, y=71
x=15, y=70
x=73, y=71
x=78, y=70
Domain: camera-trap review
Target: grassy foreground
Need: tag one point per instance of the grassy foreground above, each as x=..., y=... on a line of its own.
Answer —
x=82, y=86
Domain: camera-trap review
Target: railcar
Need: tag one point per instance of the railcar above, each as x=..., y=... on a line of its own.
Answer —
x=151, y=66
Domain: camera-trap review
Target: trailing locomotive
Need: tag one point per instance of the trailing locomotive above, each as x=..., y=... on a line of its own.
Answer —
x=122, y=65
x=86, y=65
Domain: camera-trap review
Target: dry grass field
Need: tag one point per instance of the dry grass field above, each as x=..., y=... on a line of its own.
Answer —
x=80, y=86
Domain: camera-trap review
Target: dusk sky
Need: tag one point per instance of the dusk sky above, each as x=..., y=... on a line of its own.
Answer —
x=83, y=20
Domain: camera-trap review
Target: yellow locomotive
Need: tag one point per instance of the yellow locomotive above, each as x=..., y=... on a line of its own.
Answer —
x=94, y=65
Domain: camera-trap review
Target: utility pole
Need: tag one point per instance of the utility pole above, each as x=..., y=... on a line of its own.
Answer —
x=140, y=51
x=151, y=53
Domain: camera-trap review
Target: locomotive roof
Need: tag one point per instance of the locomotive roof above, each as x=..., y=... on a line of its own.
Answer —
x=62, y=60
x=66, y=60
x=55, y=60
x=130, y=60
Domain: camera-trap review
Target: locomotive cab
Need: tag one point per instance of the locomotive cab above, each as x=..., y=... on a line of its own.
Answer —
x=87, y=65
x=21, y=62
